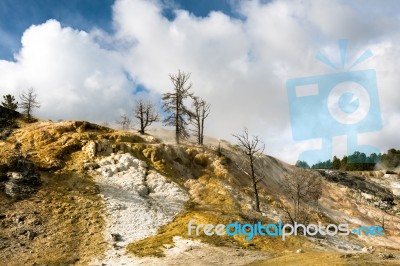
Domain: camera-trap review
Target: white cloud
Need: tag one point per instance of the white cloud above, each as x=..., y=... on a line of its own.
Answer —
x=239, y=66
x=73, y=77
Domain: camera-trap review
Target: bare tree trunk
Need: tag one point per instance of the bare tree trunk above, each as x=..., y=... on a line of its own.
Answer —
x=253, y=176
x=199, y=141
x=202, y=131
x=198, y=116
x=250, y=148
x=141, y=120
x=177, y=120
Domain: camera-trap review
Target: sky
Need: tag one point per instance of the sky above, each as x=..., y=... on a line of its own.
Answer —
x=90, y=60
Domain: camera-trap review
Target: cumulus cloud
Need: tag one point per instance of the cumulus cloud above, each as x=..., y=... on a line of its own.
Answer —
x=240, y=65
x=73, y=77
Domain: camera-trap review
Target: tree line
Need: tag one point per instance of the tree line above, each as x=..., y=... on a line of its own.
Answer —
x=358, y=161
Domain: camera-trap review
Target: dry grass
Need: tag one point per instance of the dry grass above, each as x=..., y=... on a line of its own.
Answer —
x=154, y=245
x=70, y=225
x=51, y=144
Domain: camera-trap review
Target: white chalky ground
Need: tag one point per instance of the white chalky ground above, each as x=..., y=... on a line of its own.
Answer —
x=137, y=204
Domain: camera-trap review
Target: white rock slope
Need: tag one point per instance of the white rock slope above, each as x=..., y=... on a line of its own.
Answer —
x=137, y=203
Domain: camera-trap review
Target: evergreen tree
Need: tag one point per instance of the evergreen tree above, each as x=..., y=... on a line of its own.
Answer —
x=302, y=164
x=336, y=163
x=9, y=102
x=343, y=163
x=391, y=159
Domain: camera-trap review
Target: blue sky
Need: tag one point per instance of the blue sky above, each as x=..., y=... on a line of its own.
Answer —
x=17, y=15
x=85, y=58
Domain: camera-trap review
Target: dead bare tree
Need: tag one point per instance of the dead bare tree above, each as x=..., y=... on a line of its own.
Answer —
x=28, y=102
x=201, y=110
x=303, y=186
x=145, y=114
x=124, y=122
x=251, y=147
x=174, y=105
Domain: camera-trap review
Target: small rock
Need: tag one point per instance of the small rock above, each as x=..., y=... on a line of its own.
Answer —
x=142, y=190
x=116, y=246
x=22, y=231
x=168, y=246
x=364, y=250
x=240, y=254
x=16, y=176
x=116, y=237
x=90, y=166
x=31, y=235
x=20, y=219
x=299, y=251
x=371, y=249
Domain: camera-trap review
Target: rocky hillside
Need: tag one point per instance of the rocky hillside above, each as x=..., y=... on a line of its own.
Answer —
x=97, y=196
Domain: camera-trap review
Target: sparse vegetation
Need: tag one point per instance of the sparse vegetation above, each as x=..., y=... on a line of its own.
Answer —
x=145, y=114
x=250, y=148
x=173, y=104
x=303, y=188
x=219, y=192
x=198, y=117
x=66, y=216
x=124, y=122
x=29, y=103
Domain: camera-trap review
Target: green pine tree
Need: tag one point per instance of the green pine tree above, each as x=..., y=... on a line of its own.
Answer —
x=336, y=163
x=9, y=102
